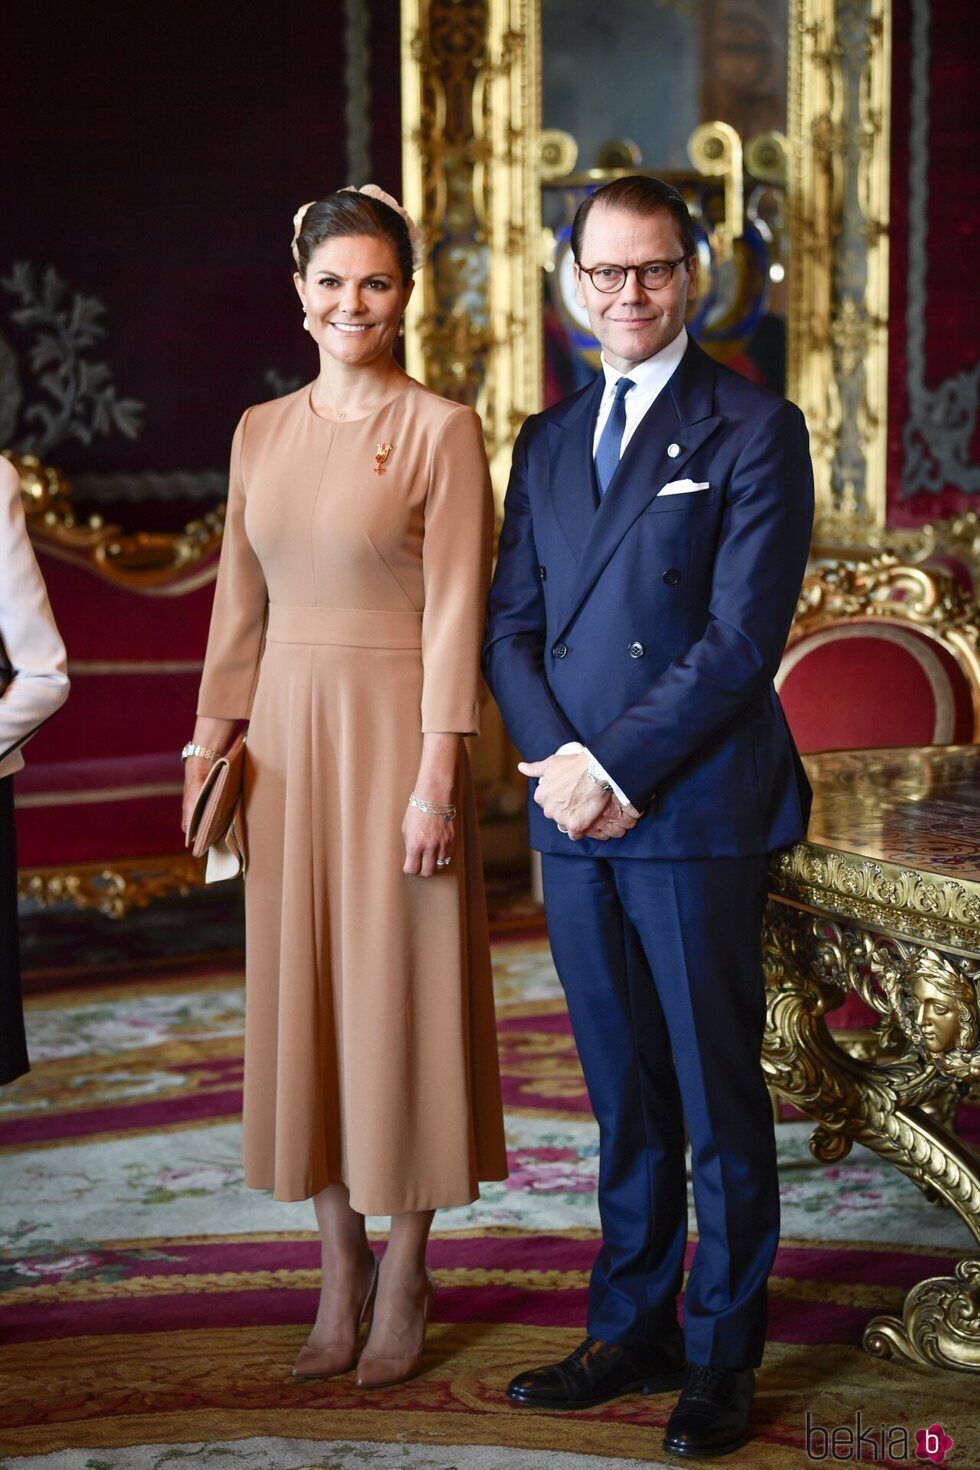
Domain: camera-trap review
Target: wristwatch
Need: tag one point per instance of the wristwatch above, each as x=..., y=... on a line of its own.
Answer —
x=204, y=751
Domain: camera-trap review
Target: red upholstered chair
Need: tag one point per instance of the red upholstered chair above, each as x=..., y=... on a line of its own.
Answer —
x=98, y=803
x=881, y=653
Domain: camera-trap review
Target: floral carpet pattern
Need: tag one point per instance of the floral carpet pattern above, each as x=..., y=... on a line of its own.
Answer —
x=150, y=1306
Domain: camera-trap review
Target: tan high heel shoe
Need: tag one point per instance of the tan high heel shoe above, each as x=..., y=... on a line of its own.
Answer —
x=331, y=1361
x=377, y=1372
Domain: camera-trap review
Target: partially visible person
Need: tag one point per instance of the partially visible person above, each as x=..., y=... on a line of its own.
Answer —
x=33, y=683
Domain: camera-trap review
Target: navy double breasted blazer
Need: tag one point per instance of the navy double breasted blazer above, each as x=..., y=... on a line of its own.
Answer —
x=650, y=626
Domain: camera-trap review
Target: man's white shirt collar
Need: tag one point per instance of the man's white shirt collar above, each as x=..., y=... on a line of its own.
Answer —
x=650, y=378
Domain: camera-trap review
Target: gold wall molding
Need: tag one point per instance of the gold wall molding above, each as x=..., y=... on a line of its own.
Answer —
x=471, y=125
x=839, y=130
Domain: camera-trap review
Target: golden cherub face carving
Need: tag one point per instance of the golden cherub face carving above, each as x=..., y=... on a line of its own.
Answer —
x=937, y=1019
x=936, y=1004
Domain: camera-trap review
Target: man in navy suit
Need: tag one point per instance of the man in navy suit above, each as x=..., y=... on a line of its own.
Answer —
x=655, y=537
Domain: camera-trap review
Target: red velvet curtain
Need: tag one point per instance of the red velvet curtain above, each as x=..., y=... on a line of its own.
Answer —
x=154, y=154
x=935, y=271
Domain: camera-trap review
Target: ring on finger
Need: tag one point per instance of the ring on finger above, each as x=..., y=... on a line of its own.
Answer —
x=443, y=862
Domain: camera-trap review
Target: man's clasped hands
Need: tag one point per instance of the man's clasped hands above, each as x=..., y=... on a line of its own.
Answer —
x=577, y=804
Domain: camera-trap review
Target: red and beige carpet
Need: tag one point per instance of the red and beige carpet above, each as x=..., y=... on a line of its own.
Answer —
x=150, y=1306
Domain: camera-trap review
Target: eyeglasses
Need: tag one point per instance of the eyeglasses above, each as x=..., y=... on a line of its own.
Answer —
x=654, y=275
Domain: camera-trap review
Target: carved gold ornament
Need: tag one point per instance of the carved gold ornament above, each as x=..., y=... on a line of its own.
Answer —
x=898, y=1105
x=156, y=563
x=839, y=131
x=471, y=129
x=113, y=889
x=940, y=1323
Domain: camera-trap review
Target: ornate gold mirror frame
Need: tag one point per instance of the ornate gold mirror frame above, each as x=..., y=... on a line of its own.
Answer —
x=471, y=127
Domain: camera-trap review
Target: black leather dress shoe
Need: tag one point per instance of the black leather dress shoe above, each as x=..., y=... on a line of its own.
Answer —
x=597, y=1371
x=712, y=1413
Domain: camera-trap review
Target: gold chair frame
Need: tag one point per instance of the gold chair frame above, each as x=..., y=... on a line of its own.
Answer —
x=154, y=564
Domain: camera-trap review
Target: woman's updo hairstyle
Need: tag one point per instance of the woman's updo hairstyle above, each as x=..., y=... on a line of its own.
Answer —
x=349, y=212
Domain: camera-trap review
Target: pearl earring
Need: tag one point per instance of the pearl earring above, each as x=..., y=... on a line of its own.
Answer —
x=306, y=324
x=401, y=327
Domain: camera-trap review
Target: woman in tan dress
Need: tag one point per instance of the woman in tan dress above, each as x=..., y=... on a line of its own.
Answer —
x=346, y=630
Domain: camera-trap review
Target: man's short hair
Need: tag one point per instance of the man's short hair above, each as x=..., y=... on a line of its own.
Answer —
x=637, y=194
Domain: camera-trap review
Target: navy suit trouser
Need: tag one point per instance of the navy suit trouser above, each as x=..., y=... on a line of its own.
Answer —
x=662, y=970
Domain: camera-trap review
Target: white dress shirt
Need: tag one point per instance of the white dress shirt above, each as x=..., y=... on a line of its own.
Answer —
x=28, y=633
x=650, y=378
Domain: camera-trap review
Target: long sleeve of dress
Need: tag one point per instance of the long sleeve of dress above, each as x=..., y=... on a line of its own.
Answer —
x=27, y=631
x=238, y=616
x=456, y=553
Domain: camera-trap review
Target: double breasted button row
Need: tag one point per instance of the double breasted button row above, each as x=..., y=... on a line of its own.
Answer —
x=635, y=650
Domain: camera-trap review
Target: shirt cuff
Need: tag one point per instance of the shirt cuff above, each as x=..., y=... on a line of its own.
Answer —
x=575, y=747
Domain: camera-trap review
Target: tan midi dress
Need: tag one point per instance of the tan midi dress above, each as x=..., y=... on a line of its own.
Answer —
x=347, y=621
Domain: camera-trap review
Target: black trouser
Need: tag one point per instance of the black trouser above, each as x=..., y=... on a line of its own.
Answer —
x=13, y=1044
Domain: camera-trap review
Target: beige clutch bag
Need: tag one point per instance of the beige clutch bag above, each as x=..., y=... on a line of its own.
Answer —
x=217, y=825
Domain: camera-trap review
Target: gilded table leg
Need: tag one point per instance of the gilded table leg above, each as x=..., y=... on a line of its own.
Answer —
x=940, y=1323
x=810, y=962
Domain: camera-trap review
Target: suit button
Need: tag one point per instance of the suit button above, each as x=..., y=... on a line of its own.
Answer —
x=636, y=650
x=672, y=576
x=559, y=650
x=542, y=572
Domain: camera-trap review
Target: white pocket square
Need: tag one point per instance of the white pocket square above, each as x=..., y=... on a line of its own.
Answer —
x=683, y=487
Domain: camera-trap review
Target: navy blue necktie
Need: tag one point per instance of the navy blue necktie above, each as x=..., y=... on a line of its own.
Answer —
x=611, y=440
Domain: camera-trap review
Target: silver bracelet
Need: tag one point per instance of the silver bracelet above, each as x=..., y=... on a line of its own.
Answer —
x=447, y=813
x=593, y=775
x=204, y=751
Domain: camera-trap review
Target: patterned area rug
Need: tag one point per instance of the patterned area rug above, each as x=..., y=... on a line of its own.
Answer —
x=150, y=1306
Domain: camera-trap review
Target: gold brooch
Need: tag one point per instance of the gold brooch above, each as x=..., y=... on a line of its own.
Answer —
x=381, y=457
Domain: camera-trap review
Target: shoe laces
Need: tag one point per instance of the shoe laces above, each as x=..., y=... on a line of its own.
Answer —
x=702, y=1382
x=586, y=1348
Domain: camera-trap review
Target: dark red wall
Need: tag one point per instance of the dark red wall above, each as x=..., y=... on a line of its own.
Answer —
x=154, y=153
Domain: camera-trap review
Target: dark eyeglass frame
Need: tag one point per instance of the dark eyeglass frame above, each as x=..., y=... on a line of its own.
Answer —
x=607, y=265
